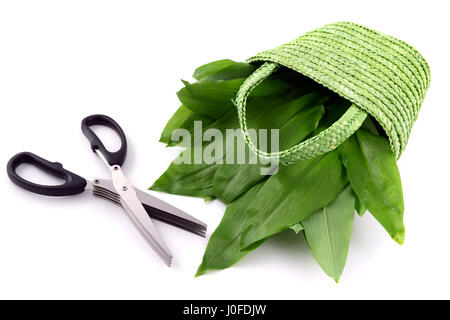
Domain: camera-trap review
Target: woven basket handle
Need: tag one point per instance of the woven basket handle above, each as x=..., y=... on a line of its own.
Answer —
x=325, y=141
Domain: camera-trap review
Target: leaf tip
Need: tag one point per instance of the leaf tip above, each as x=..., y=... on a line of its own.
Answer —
x=155, y=187
x=159, y=185
x=399, y=237
x=200, y=271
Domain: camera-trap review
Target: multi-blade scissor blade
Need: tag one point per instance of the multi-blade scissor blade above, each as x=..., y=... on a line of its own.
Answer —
x=130, y=202
x=156, y=208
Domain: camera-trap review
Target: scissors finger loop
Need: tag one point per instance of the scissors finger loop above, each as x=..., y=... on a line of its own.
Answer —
x=113, y=158
x=73, y=184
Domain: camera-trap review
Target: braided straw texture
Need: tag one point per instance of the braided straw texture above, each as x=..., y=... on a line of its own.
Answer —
x=379, y=74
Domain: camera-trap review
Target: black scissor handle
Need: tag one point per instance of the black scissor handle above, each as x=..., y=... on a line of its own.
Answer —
x=113, y=158
x=73, y=184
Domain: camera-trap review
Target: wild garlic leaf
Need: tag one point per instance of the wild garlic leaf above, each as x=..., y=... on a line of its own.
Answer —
x=328, y=232
x=231, y=180
x=369, y=126
x=210, y=98
x=234, y=71
x=335, y=111
x=359, y=207
x=375, y=178
x=214, y=99
x=195, y=178
x=189, y=125
x=183, y=118
x=293, y=194
x=223, y=249
x=188, y=174
x=175, y=122
x=211, y=68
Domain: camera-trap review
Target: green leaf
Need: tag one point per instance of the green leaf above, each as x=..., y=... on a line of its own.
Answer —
x=211, y=68
x=223, y=248
x=293, y=194
x=183, y=118
x=234, y=71
x=210, y=98
x=231, y=180
x=328, y=232
x=188, y=125
x=369, y=126
x=375, y=178
x=175, y=122
x=359, y=207
x=191, y=179
x=186, y=176
x=214, y=99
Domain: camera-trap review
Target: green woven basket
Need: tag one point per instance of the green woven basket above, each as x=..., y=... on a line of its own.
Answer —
x=381, y=75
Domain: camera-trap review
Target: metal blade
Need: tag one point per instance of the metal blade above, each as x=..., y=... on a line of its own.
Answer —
x=156, y=208
x=156, y=203
x=130, y=202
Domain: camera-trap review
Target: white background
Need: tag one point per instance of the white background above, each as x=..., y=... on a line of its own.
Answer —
x=63, y=60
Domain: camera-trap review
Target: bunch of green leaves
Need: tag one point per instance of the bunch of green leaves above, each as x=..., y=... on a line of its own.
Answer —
x=316, y=197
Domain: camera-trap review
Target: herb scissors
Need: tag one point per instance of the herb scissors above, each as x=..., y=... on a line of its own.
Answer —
x=140, y=206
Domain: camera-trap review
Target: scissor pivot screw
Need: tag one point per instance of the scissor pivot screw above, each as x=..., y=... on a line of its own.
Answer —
x=124, y=188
